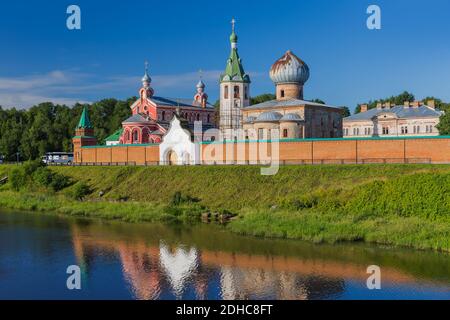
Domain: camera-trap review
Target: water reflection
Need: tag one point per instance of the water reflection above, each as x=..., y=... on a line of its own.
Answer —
x=181, y=263
x=201, y=262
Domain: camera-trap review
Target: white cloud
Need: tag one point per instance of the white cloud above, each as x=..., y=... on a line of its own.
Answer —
x=71, y=86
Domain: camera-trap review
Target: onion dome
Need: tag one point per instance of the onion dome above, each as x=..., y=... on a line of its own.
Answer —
x=270, y=116
x=289, y=69
x=291, y=117
x=200, y=85
x=146, y=78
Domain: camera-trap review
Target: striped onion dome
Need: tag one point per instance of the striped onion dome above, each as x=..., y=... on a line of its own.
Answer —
x=289, y=69
x=269, y=116
x=291, y=117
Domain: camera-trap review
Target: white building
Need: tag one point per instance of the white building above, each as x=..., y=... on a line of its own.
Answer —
x=387, y=120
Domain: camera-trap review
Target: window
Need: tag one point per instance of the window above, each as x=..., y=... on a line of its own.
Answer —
x=135, y=136
x=246, y=92
x=404, y=130
x=285, y=133
x=198, y=116
x=282, y=93
x=260, y=133
x=385, y=130
x=163, y=115
x=208, y=118
x=236, y=92
x=225, y=92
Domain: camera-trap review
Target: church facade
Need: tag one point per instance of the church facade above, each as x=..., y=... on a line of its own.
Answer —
x=289, y=115
x=151, y=115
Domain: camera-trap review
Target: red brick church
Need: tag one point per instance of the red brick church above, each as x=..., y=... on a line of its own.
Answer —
x=151, y=115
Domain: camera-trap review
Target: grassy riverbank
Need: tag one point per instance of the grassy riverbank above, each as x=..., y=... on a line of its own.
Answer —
x=407, y=205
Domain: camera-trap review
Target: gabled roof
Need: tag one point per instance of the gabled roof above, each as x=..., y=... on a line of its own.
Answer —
x=174, y=102
x=286, y=103
x=115, y=136
x=399, y=111
x=136, y=118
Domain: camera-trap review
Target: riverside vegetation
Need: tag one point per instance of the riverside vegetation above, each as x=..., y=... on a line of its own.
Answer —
x=404, y=205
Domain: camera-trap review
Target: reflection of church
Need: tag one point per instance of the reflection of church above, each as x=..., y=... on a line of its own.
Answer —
x=163, y=271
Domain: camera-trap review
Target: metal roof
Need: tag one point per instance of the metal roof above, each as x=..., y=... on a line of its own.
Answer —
x=289, y=68
x=286, y=103
x=269, y=116
x=136, y=118
x=291, y=117
x=84, y=122
x=173, y=102
x=399, y=111
x=115, y=136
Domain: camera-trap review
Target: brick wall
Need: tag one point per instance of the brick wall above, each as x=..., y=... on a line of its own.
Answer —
x=435, y=150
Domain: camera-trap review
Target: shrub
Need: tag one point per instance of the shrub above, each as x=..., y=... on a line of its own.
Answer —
x=17, y=179
x=49, y=179
x=80, y=190
x=59, y=182
x=43, y=176
x=178, y=199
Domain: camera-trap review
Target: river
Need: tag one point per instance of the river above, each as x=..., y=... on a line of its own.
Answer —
x=152, y=261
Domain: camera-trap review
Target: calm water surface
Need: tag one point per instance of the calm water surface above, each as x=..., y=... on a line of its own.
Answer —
x=127, y=261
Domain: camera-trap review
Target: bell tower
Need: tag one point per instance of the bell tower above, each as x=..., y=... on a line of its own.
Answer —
x=84, y=135
x=234, y=91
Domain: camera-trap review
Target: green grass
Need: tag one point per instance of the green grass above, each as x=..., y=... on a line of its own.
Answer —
x=404, y=205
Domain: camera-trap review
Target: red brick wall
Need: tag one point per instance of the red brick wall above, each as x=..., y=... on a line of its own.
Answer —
x=341, y=151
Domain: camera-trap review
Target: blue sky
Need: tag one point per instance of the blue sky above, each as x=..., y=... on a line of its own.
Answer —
x=40, y=59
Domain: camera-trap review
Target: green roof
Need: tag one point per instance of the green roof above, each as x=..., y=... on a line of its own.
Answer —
x=115, y=136
x=84, y=122
x=234, y=70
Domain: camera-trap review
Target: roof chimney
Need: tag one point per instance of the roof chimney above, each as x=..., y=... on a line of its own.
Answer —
x=431, y=104
x=379, y=106
x=387, y=105
x=364, y=107
x=416, y=104
x=406, y=104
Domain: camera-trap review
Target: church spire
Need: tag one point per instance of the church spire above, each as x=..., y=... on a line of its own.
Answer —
x=84, y=122
x=234, y=70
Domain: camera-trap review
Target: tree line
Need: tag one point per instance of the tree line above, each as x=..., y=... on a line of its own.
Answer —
x=47, y=127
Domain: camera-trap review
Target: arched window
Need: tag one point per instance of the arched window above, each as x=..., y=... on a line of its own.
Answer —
x=208, y=118
x=225, y=92
x=236, y=92
x=135, y=136
x=282, y=93
x=246, y=92
x=198, y=116
x=285, y=133
x=127, y=136
x=163, y=116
